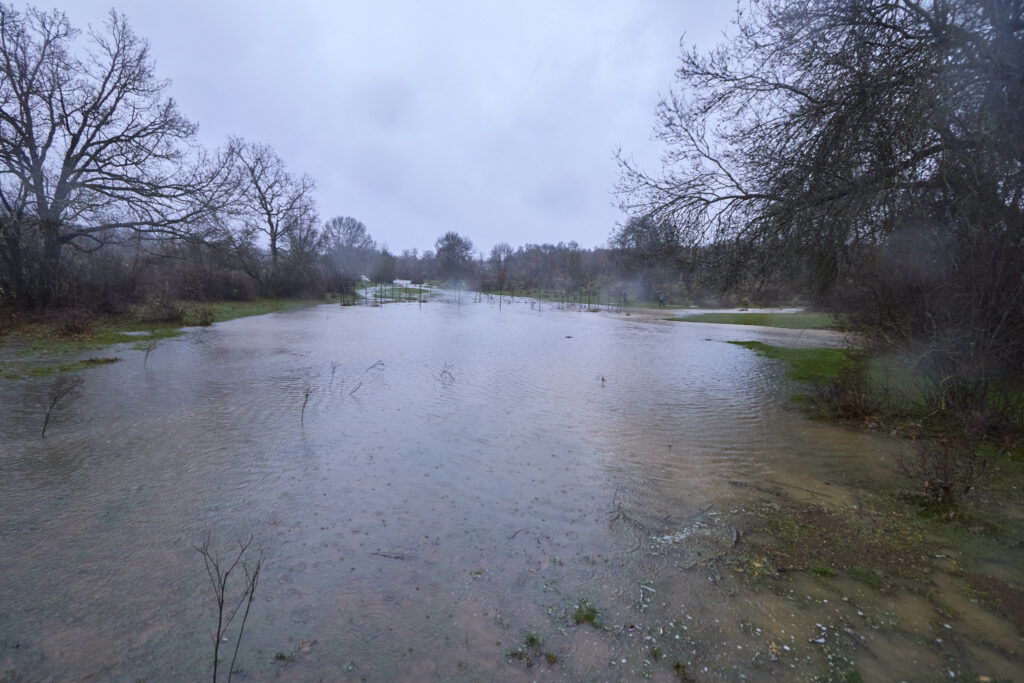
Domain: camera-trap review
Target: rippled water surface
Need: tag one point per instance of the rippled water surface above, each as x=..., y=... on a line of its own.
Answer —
x=461, y=476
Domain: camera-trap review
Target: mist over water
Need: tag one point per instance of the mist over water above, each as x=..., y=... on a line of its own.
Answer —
x=464, y=476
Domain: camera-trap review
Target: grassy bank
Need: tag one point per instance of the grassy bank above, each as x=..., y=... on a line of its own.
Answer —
x=790, y=321
x=949, y=451
x=808, y=365
x=34, y=345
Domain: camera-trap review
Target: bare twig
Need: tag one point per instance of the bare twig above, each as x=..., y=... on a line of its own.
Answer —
x=306, y=392
x=64, y=387
x=446, y=377
x=360, y=384
x=379, y=365
x=149, y=349
x=334, y=368
x=219, y=573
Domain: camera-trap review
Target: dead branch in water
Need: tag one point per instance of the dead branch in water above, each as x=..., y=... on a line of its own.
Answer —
x=227, y=606
x=149, y=349
x=445, y=376
x=334, y=368
x=64, y=387
x=307, y=392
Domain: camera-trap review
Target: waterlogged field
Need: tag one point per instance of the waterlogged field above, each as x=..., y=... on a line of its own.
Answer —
x=458, y=491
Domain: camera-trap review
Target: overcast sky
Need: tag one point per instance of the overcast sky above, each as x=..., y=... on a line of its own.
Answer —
x=498, y=120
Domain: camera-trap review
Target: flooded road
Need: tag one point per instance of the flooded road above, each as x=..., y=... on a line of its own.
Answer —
x=456, y=492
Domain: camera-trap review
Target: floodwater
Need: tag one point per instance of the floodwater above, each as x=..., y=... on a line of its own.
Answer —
x=436, y=490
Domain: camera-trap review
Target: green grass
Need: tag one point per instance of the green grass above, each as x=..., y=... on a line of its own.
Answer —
x=40, y=342
x=230, y=310
x=789, y=321
x=807, y=365
x=390, y=292
x=869, y=578
x=46, y=370
x=586, y=612
x=105, y=333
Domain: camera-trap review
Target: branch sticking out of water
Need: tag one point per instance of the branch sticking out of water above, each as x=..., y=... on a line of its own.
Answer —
x=334, y=368
x=307, y=392
x=149, y=349
x=446, y=377
x=379, y=365
x=227, y=606
x=64, y=387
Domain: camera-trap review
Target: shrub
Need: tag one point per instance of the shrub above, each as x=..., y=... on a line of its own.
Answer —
x=71, y=322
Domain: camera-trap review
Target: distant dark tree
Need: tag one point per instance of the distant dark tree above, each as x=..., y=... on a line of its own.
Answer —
x=345, y=232
x=649, y=242
x=273, y=202
x=409, y=266
x=350, y=248
x=454, y=254
x=649, y=249
x=500, y=258
x=305, y=247
x=91, y=151
x=385, y=267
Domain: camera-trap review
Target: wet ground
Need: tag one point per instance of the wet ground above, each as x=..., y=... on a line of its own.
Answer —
x=453, y=491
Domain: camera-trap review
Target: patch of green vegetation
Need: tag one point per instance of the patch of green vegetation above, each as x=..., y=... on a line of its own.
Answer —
x=106, y=333
x=70, y=367
x=869, y=578
x=230, y=310
x=790, y=321
x=808, y=365
x=531, y=650
x=799, y=536
x=852, y=676
x=122, y=329
x=388, y=292
x=586, y=612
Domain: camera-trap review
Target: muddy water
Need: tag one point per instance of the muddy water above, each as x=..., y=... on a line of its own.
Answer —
x=461, y=477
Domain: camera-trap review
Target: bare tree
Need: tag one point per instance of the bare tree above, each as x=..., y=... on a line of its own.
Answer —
x=823, y=126
x=90, y=148
x=350, y=248
x=345, y=232
x=274, y=202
